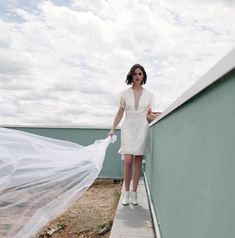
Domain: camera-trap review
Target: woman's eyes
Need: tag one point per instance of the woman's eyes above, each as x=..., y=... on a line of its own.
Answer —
x=138, y=74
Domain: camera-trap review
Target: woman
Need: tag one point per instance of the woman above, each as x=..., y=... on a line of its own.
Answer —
x=137, y=103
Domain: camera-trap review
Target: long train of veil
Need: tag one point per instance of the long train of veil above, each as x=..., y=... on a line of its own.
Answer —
x=40, y=176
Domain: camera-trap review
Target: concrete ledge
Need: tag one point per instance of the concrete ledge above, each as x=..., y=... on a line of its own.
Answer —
x=133, y=221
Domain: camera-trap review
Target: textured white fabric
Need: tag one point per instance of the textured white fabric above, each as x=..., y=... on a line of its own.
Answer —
x=40, y=176
x=135, y=129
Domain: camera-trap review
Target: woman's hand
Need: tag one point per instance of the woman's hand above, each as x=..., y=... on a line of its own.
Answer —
x=152, y=115
x=111, y=133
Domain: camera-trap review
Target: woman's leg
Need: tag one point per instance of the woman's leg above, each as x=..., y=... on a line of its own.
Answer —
x=127, y=170
x=137, y=170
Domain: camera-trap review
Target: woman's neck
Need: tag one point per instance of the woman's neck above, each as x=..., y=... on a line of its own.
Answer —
x=137, y=87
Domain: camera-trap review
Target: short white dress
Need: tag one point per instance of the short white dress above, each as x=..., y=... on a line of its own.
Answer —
x=135, y=128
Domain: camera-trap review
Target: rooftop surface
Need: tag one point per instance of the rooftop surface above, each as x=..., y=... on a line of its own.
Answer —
x=133, y=220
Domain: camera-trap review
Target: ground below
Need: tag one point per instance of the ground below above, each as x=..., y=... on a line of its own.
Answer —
x=91, y=216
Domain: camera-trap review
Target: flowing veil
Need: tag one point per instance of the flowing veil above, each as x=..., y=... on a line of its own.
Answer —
x=40, y=176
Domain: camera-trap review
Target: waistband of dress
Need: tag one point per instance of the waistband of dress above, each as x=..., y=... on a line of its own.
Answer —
x=135, y=115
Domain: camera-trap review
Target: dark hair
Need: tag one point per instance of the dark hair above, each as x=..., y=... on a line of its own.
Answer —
x=131, y=72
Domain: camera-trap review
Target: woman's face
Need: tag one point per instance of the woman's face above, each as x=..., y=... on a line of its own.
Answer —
x=137, y=76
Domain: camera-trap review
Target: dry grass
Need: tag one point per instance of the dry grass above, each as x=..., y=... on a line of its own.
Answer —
x=88, y=215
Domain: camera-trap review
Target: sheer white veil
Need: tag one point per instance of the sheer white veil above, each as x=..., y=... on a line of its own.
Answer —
x=40, y=176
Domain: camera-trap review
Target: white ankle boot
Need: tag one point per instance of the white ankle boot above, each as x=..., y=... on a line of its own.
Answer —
x=125, y=198
x=134, y=198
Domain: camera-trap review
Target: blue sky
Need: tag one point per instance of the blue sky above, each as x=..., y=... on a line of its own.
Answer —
x=65, y=62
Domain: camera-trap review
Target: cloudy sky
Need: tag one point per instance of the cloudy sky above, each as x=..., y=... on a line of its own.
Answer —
x=65, y=62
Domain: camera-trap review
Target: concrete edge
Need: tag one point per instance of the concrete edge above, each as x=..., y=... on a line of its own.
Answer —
x=57, y=127
x=143, y=185
x=156, y=224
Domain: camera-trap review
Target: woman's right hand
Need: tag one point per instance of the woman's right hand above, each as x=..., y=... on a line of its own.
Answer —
x=111, y=133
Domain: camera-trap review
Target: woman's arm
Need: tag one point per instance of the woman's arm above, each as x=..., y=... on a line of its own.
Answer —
x=152, y=115
x=117, y=119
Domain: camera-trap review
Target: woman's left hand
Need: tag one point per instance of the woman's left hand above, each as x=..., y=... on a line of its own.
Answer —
x=152, y=116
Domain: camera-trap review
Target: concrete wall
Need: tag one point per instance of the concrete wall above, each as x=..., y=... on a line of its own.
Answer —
x=113, y=166
x=191, y=167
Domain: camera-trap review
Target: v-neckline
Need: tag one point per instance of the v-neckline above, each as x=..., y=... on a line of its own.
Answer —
x=136, y=106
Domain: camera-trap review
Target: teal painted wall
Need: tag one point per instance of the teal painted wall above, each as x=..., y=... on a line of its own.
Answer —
x=191, y=166
x=112, y=167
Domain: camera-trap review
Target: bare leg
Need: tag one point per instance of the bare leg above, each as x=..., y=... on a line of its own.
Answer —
x=127, y=170
x=137, y=170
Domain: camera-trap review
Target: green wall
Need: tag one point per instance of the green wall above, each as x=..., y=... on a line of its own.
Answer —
x=113, y=166
x=191, y=166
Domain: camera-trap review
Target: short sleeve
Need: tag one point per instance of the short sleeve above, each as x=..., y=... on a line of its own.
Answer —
x=122, y=101
x=152, y=103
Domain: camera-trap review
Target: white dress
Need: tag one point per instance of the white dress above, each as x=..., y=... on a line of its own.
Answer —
x=135, y=128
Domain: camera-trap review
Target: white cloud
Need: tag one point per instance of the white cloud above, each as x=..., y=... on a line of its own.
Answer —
x=67, y=63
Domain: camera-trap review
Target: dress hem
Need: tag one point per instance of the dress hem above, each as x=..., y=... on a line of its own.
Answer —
x=130, y=152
